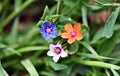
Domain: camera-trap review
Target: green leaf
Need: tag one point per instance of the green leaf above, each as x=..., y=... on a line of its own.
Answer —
x=57, y=66
x=13, y=34
x=107, y=72
x=73, y=48
x=103, y=1
x=109, y=25
x=97, y=64
x=85, y=44
x=97, y=36
x=54, y=65
x=114, y=72
x=63, y=20
x=2, y=46
x=29, y=67
x=106, y=46
x=97, y=56
x=85, y=29
x=26, y=49
x=2, y=71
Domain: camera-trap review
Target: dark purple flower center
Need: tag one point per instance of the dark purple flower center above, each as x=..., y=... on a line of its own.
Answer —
x=48, y=30
x=57, y=50
x=73, y=34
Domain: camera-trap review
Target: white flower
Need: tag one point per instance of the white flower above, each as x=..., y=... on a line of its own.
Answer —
x=56, y=51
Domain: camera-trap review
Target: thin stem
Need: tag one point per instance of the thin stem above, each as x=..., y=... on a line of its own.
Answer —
x=59, y=5
x=84, y=16
x=85, y=22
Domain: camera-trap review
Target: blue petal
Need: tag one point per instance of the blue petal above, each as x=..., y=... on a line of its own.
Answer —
x=46, y=24
x=46, y=37
x=53, y=34
x=53, y=26
x=42, y=31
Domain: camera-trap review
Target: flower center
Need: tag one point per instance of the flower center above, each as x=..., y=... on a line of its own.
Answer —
x=73, y=34
x=57, y=50
x=48, y=30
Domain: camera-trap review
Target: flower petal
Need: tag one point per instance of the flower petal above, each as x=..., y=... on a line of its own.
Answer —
x=63, y=54
x=53, y=26
x=71, y=40
x=50, y=53
x=46, y=24
x=53, y=34
x=56, y=58
x=65, y=35
x=46, y=37
x=68, y=27
x=52, y=46
x=79, y=36
x=42, y=30
x=77, y=27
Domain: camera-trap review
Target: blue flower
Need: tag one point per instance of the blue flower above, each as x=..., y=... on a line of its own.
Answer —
x=48, y=31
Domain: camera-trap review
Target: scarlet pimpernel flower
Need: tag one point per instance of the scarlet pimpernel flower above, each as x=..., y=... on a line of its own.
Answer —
x=56, y=51
x=71, y=33
x=48, y=31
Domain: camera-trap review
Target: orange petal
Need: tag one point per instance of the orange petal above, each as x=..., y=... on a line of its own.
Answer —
x=71, y=40
x=68, y=27
x=79, y=36
x=77, y=27
x=65, y=35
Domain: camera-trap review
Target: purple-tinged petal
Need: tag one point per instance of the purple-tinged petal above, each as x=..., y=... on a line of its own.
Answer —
x=50, y=53
x=42, y=30
x=52, y=46
x=63, y=54
x=46, y=24
x=56, y=58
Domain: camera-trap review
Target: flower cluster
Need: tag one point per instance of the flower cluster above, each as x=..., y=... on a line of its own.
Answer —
x=49, y=31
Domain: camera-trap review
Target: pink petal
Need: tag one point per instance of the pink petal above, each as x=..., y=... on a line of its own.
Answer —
x=63, y=54
x=56, y=58
x=50, y=53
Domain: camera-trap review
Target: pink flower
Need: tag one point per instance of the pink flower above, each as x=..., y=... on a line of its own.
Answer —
x=56, y=51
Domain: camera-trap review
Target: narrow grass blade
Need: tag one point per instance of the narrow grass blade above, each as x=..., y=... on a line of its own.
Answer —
x=2, y=71
x=88, y=47
x=29, y=67
x=97, y=56
x=114, y=72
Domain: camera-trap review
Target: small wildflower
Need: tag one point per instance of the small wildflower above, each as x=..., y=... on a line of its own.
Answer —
x=71, y=33
x=48, y=31
x=56, y=51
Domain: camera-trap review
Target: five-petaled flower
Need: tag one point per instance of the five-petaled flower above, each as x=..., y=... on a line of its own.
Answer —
x=48, y=31
x=71, y=33
x=56, y=51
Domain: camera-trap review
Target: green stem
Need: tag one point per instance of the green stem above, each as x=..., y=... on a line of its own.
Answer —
x=59, y=5
x=84, y=18
x=12, y=15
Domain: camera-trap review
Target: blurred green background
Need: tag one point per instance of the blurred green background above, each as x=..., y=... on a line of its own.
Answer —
x=23, y=50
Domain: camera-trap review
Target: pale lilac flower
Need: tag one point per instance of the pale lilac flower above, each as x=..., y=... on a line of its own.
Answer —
x=56, y=51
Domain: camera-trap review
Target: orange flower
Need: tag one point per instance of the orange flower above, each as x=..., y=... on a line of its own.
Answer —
x=71, y=33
